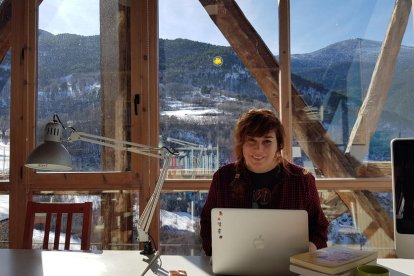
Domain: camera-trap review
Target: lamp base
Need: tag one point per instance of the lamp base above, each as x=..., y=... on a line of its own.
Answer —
x=151, y=261
x=148, y=249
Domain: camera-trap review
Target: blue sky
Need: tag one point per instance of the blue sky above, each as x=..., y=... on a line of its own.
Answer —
x=69, y=16
x=314, y=23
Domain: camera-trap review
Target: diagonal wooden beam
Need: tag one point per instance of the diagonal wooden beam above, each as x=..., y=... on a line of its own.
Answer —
x=370, y=218
x=371, y=109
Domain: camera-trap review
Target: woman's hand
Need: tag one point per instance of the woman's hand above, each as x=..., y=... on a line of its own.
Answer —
x=312, y=247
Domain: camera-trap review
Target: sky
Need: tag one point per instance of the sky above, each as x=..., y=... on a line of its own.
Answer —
x=314, y=23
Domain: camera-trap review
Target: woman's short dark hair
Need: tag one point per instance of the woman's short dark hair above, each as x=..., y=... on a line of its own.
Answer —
x=256, y=123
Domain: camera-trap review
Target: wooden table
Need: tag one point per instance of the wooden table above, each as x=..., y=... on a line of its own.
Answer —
x=22, y=262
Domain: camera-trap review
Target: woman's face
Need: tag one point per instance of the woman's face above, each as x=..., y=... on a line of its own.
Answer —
x=259, y=152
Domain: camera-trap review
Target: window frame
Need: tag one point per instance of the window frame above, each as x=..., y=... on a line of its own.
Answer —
x=23, y=181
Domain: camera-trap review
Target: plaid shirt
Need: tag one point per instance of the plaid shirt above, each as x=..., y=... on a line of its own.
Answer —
x=295, y=189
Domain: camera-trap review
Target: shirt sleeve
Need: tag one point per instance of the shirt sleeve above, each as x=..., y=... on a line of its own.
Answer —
x=318, y=224
x=205, y=218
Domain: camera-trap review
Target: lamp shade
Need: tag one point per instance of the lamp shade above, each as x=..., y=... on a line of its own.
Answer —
x=51, y=155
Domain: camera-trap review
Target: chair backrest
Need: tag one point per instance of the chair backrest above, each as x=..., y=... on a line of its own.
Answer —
x=58, y=209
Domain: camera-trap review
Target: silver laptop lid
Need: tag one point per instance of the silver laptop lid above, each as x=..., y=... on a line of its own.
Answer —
x=257, y=241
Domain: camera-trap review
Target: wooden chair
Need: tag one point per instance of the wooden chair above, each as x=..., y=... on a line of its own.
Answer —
x=34, y=208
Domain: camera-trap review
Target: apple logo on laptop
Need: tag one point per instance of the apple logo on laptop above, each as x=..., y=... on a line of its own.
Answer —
x=258, y=242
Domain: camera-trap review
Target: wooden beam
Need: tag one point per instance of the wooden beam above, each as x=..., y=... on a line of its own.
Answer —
x=115, y=79
x=116, y=96
x=19, y=89
x=144, y=83
x=355, y=184
x=79, y=181
x=373, y=105
x=285, y=106
x=370, y=218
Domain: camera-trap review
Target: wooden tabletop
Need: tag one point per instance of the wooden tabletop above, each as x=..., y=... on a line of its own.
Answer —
x=22, y=262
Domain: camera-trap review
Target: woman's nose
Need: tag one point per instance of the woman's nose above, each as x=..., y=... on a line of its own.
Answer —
x=258, y=147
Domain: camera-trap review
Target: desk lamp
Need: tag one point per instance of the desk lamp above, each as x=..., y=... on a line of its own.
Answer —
x=53, y=156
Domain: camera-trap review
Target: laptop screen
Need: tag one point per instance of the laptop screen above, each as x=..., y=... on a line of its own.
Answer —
x=257, y=241
x=402, y=156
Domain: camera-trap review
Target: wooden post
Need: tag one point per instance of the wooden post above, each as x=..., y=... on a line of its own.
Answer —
x=116, y=84
x=285, y=107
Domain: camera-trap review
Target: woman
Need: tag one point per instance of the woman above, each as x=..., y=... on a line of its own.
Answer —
x=261, y=178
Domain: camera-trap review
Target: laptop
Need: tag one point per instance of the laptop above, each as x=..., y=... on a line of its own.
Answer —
x=257, y=241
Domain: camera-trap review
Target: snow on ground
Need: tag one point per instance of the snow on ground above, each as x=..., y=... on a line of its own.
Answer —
x=191, y=112
x=4, y=158
x=38, y=239
x=4, y=207
x=178, y=220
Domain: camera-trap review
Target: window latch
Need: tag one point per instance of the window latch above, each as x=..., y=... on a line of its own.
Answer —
x=136, y=103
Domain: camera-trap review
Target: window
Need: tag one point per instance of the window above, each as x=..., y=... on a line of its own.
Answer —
x=180, y=222
x=4, y=221
x=355, y=98
x=333, y=69
x=114, y=217
x=83, y=76
x=330, y=85
x=5, y=117
x=86, y=77
x=204, y=87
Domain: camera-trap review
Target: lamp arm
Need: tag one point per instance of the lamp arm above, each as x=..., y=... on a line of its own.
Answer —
x=115, y=144
x=146, y=216
x=162, y=153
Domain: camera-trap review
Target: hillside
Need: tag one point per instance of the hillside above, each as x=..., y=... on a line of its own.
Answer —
x=343, y=66
x=67, y=54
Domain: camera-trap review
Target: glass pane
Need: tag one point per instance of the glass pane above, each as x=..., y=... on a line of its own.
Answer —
x=355, y=98
x=204, y=86
x=350, y=222
x=352, y=225
x=180, y=223
x=84, y=73
x=4, y=221
x=5, y=67
x=114, y=218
